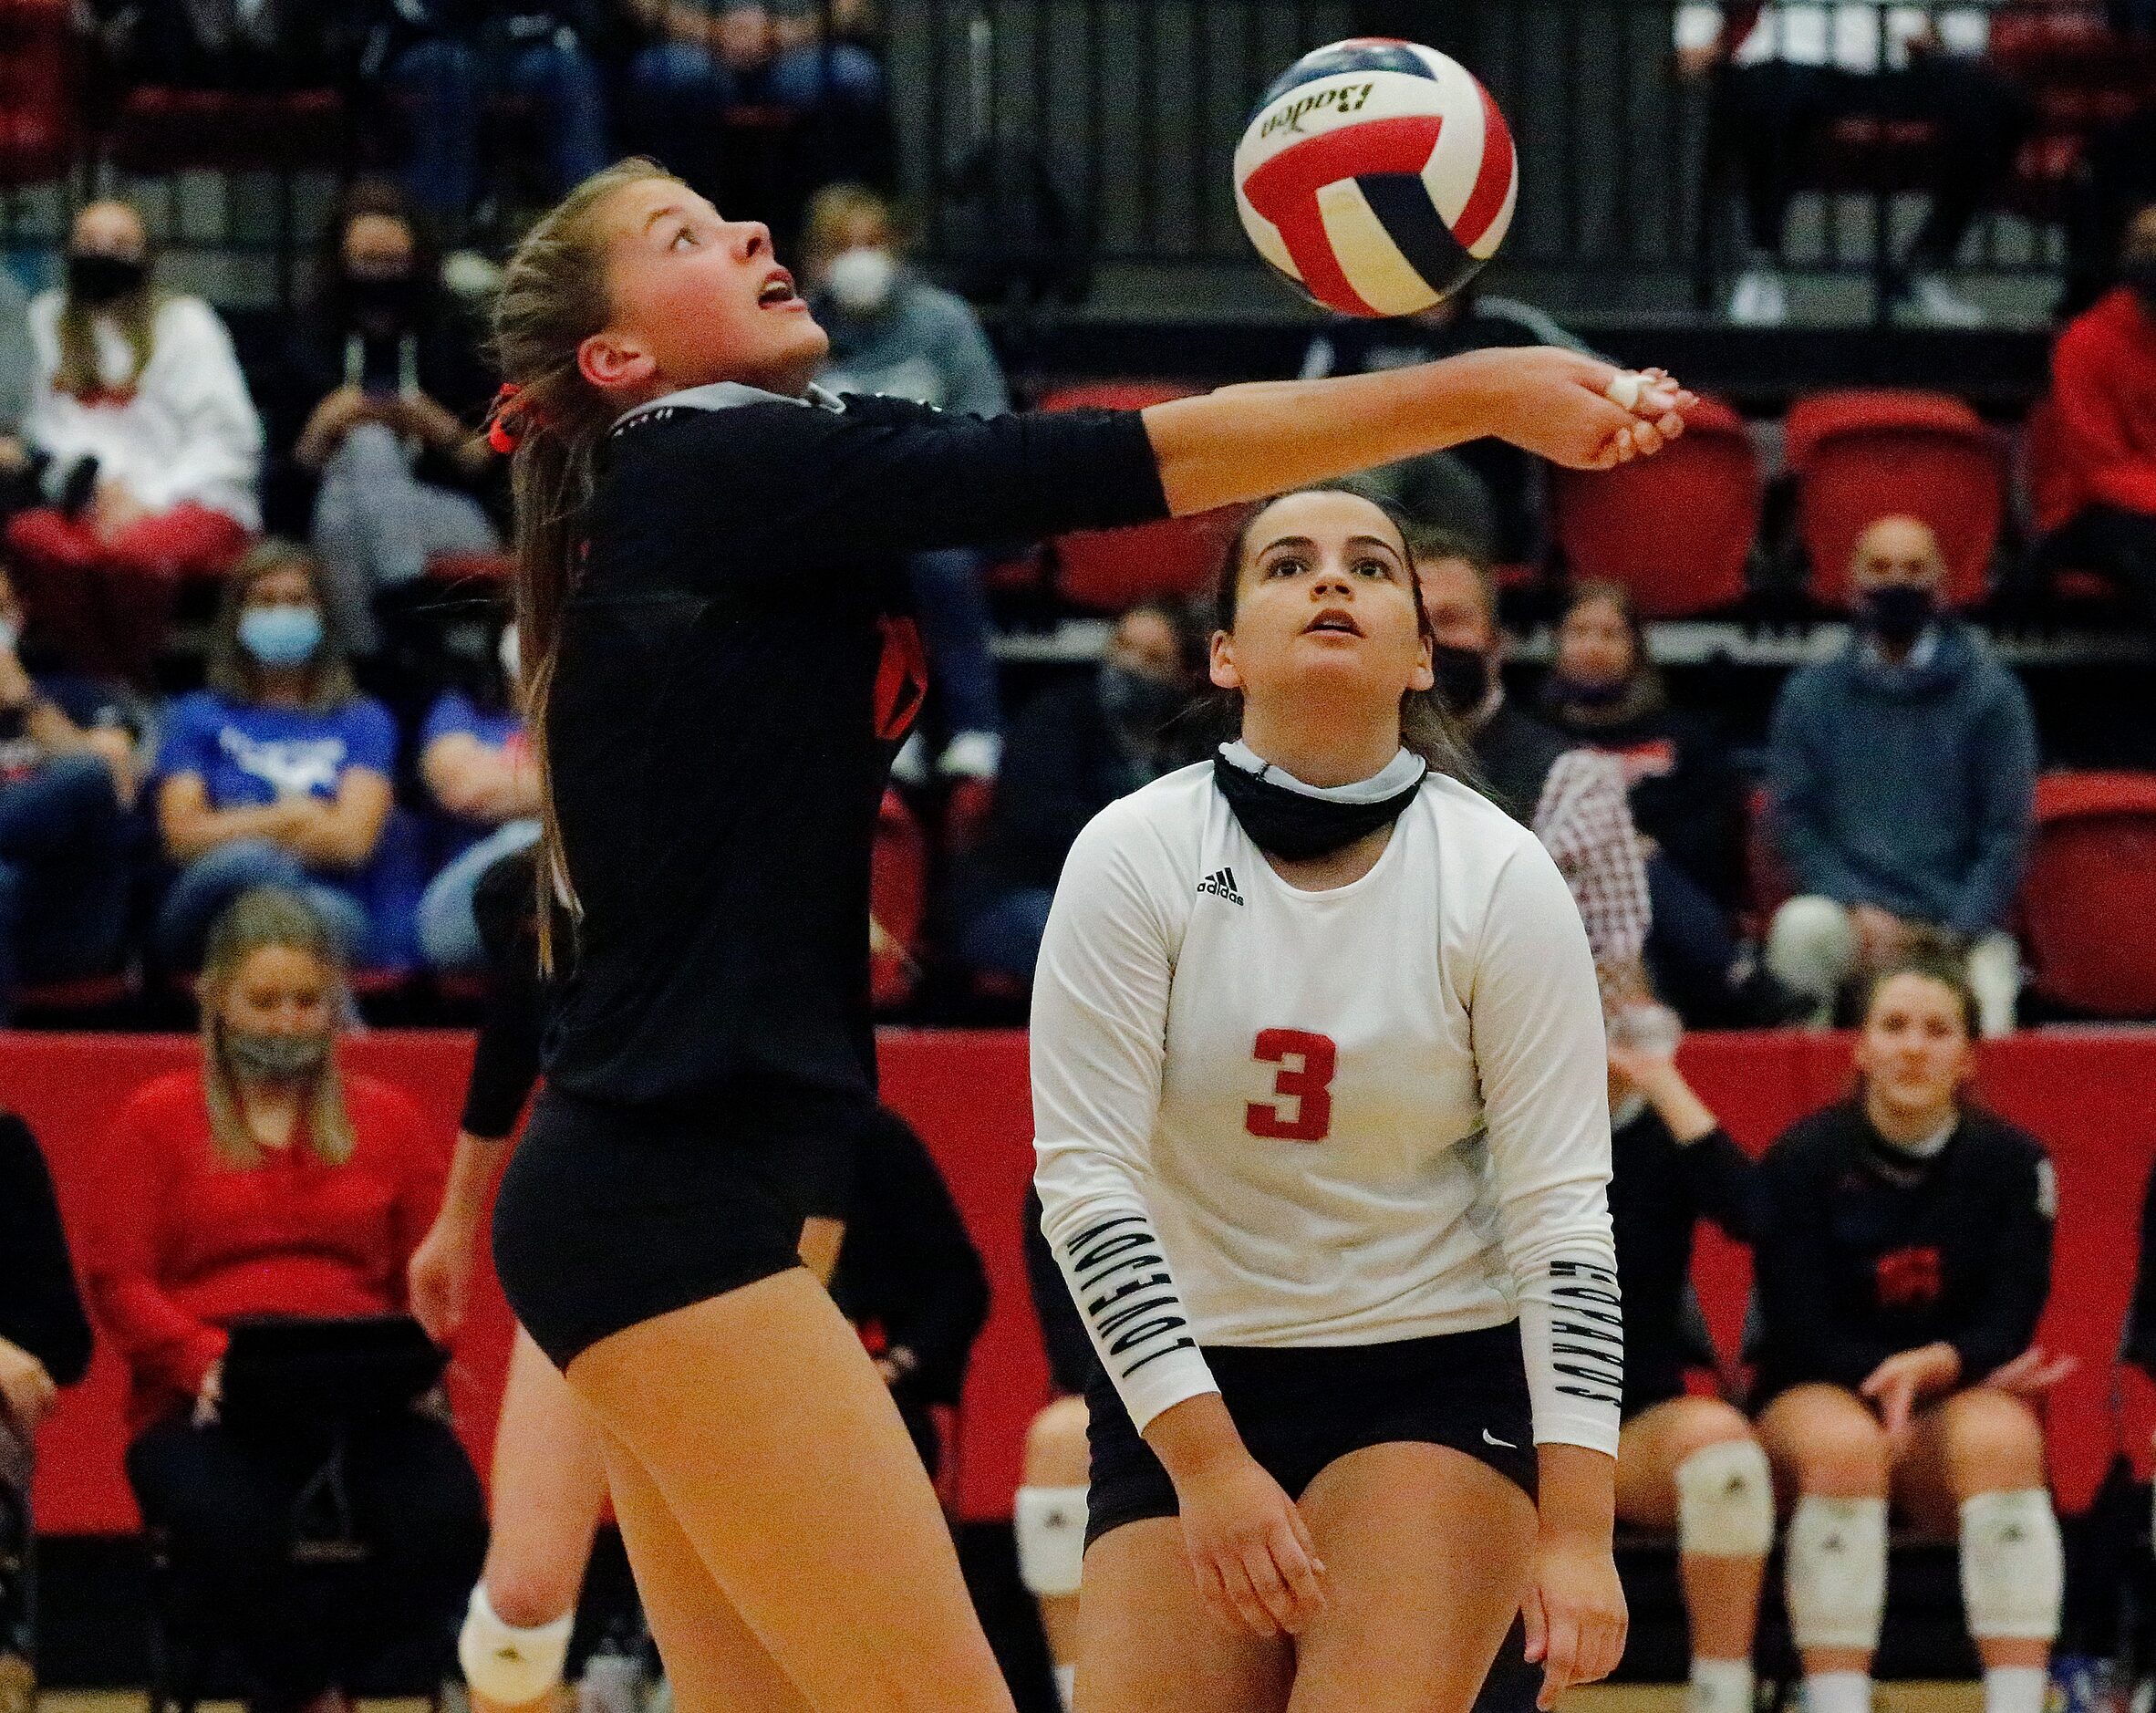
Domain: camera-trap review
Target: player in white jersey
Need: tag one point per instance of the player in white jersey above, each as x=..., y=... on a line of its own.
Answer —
x=1323, y=1144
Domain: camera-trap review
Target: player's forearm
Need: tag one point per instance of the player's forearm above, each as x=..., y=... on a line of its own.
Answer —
x=1262, y=438
x=470, y=1174
x=1194, y=1438
x=1576, y=1494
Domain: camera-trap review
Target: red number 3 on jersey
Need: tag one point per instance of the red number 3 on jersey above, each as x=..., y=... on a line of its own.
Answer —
x=1307, y=1084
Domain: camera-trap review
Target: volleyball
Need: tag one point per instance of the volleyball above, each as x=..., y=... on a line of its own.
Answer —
x=1376, y=176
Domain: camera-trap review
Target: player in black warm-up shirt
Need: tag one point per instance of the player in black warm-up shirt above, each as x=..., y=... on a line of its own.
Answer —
x=1685, y=1462
x=711, y=597
x=1903, y=1256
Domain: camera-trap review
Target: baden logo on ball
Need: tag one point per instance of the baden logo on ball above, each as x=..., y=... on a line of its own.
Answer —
x=1376, y=176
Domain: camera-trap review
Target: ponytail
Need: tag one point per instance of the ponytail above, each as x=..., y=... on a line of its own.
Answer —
x=552, y=298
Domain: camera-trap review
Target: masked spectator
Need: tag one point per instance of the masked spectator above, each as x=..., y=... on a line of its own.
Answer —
x=379, y=404
x=1686, y=801
x=279, y=773
x=1903, y=783
x=268, y=1181
x=140, y=400
x=1573, y=798
x=1074, y=749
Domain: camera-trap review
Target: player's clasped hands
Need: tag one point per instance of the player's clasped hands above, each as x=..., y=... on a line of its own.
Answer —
x=1581, y=411
x=1574, y=1614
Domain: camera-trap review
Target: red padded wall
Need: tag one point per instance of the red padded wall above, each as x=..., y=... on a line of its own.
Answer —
x=2087, y=1094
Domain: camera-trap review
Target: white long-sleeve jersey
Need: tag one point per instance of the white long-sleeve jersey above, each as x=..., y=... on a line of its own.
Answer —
x=186, y=430
x=1266, y=1116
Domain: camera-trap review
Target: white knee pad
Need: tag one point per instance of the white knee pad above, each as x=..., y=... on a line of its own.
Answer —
x=1051, y=1526
x=1811, y=947
x=1835, y=1579
x=507, y=1665
x=1725, y=1502
x=2013, y=1568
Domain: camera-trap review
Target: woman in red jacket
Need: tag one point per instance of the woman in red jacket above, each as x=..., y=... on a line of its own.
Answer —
x=270, y=1183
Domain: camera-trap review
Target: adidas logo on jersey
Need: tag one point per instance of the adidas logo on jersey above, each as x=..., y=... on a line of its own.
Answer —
x=1221, y=885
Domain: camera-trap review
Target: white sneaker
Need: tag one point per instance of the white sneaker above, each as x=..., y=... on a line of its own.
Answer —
x=1760, y=299
x=1936, y=302
x=910, y=766
x=971, y=755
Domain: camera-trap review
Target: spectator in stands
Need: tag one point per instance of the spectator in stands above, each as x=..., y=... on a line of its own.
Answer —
x=478, y=768
x=139, y=398
x=44, y=1344
x=69, y=771
x=2096, y=493
x=1902, y=784
x=908, y=1276
x=279, y=773
x=1686, y=800
x=1902, y=1259
x=380, y=399
x=1685, y=1462
x=1074, y=749
x=704, y=58
x=1573, y=798
x=893, y=332
x=447, y=65
x=1782, y=73
x=268, y=1181
x=1489, y=493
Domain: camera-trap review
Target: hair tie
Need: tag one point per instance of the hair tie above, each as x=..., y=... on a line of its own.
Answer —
x=506, y=430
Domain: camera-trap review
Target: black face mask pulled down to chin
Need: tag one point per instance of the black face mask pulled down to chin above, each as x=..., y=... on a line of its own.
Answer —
x=1296, y=827
x=389, y=301
x=1462, y=677
x=95, y=279
x=1897, y=613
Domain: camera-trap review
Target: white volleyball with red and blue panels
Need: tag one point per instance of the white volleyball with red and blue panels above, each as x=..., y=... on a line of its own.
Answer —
x=1376, y=176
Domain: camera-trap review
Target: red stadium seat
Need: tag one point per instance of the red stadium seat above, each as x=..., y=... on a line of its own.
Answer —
x=37, y=91
x=2091, y=891
x=1113, y=570
x=1861, y=455
x=471, y=567
x=1676, y=529
x=898, y=901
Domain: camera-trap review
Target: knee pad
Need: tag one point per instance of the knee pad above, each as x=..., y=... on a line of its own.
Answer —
x=507, y=1665
x=2013, y=1568
x=1725, y=1502
x=1811, y=947
x=1836, y=1571
x=1050, y=1522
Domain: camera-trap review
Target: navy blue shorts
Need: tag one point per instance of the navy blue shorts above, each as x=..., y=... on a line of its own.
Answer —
x=609, y=1216
x=1302, y=1407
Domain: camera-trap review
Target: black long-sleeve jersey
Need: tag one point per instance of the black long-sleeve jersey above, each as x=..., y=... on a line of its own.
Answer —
x=41, y=1308
x=907, y=1273
x=1864, y=1249
x=1659, y=1191
x=736, y=667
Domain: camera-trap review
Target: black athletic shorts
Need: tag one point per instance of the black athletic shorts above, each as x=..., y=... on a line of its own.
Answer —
x=1300, y=1408
x=609, y=1216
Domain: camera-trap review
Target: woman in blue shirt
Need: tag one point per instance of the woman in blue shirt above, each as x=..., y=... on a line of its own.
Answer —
x=279, y=773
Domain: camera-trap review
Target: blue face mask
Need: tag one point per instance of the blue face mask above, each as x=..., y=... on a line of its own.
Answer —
x=281, y=636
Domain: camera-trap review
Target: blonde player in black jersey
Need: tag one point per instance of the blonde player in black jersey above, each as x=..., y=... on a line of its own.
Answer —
x=1323, y=1137
x=711, y=600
